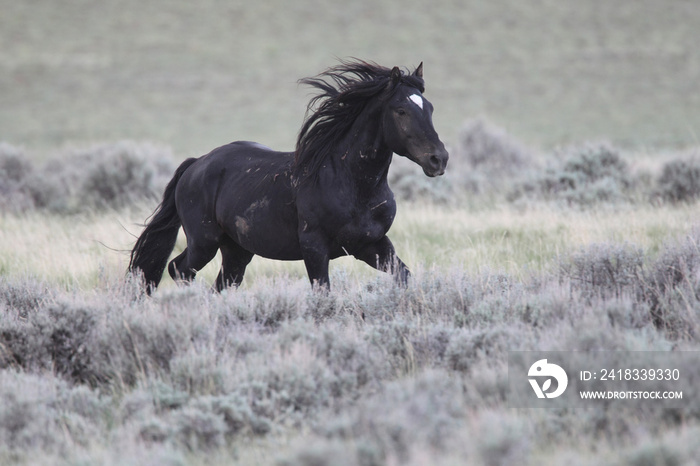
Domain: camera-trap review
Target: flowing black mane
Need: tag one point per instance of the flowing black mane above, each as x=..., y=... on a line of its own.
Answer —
x=345, y=90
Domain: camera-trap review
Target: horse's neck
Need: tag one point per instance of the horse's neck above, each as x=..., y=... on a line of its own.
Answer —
x=363, y=156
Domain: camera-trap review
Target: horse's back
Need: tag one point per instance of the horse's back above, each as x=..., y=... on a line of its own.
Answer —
x=247, y=158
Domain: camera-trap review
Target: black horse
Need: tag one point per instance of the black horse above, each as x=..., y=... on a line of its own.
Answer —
x=329, y=198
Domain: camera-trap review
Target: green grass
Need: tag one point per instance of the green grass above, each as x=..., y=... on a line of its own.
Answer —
x=90, y=250
x=195, y=76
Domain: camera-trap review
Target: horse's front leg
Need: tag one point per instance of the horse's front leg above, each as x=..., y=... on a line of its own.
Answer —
x=382, y=256
x=316, y=255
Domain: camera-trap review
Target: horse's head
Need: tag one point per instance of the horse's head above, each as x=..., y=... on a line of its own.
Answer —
x=408, y=125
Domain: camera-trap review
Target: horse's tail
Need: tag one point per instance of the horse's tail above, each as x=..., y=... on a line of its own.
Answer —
x=152, y=249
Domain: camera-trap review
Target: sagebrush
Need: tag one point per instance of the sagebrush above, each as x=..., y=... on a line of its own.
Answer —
x=104, y=176
x=372, y=372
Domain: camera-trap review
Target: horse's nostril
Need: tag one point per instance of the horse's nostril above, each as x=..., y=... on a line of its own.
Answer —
x=435, y=161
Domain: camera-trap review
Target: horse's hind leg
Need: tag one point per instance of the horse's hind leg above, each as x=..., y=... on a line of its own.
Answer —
x=234, y=260
x=192, y=260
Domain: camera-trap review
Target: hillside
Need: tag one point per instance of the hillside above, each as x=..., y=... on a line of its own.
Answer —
x=197, y=75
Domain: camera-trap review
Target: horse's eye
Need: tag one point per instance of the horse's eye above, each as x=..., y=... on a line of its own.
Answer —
x=401, y=111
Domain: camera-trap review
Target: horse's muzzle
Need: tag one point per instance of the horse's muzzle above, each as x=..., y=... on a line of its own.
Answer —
x=435, y=163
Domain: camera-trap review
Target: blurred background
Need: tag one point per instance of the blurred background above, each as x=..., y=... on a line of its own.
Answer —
x=196, y=75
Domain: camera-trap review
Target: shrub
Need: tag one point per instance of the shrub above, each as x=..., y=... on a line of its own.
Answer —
x=94, y=343
x=603, y=270
x=670, y=449
x=654, y=454
x=325, y=453
x=679, y=181
x=65, y=331
x=503, y=438
x=677, y=263
x=588, y=175
x=194, y=422
x=467, y=347
x=408, y=182
x=14, y=170
x=118, y=174
x=489, y=149
x=352, y=364
x=39, y=413
x=487, y=159
x=239, y=416
x=198, y=427
x=667, y=287
x=292, y=392
x=58, y=338
x=423, y=379
x=672, y=287
x=14, y=167
x=104, y=176
x=23, y=298
x=406, y=417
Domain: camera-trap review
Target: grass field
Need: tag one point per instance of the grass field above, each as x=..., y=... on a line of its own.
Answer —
x=535, y=239
x=92, y=250
x=273, y=373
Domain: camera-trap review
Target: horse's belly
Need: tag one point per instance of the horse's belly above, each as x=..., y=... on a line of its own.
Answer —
x=265, y=228
x=276, y=246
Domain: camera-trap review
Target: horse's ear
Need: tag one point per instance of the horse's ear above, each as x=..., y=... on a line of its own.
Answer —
x=419, y=71
x=395, y=75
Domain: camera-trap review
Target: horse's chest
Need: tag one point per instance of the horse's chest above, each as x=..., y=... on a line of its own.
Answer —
x=367, y=225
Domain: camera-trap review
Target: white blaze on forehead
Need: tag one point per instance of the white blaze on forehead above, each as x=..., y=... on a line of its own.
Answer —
x=416, y=99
